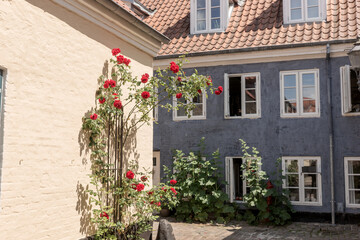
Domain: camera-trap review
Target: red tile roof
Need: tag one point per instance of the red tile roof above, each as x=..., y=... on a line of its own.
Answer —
x=256, y=23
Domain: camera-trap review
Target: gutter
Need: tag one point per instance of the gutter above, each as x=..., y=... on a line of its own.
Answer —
x=254, y=49
x=331, y=133
x=118, y=10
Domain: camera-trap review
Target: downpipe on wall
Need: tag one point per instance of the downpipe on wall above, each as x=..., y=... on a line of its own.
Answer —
x=331, y=133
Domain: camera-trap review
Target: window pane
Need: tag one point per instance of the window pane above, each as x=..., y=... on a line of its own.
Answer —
x=198, y=99
x=308, y=93
x=355, y=93
x=235, y=96
x=238, y=181
x=198, y=110
x=295, y=4
x=181, y=112
x=354, y=167
x=312, y=2
x=289, y=93
x=250, y=82
x=310, y=166
x=311, y=195
x=308, y=79
x=201, y=25
x=354, y=197
x=250, y=95
x=310, y=180
x=215, y=3
x=294, y=194
x=290, y=80
x=295, y=14
x=354, y=182
x=215, y=23
x=200, y=3
x=201, y=14
x=309, y=106
x=215, y=12
x=250, y=108
x=290, y=107
x=291, y=166
x=292, y=180
x=313, y=12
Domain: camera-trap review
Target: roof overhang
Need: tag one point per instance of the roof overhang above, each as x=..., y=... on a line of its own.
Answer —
x=115, y=19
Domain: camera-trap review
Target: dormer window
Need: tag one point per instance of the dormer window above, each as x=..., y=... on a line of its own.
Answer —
x=297, y=11
x=209, y=16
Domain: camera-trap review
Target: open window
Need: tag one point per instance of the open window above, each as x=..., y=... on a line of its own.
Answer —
x=242, y=95
x=350, y=94
x=352, y=181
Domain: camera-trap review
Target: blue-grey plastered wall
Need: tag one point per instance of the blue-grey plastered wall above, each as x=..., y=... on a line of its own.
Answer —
x=271, y=135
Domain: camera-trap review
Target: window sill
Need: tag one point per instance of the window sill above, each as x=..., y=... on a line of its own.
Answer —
x=240, y=117
x=351, y=114
x=191, y=118
x=315, y=204
x=352, y=205
x=301, y=116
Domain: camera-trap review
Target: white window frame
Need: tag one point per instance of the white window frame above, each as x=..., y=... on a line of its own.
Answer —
x=345, y=84
x=301, y=179
x=243, y=96
x=181, y=118
x=156, y=108
x=346, y=171
x=299, y=94
x=224, y=19
x=304, y=18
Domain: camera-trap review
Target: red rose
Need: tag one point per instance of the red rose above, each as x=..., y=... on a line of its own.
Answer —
x=145, y=94
x=115, y=51
x=209, y=81
x=173, y=182
x=217, y=92
x=178, y=95
x=106, y=84
x=158, y=203
x=133, y=186
x=144, y=78
x=152, y=202
x=174, y=67
x=150, y=193
x=127, y=61
x=102, y=100
x=269, y=185
x=140, y=187
x=115, y=94
x=179, y=79
x=118, y=104
x=112, y=83
x=199, y=91
x=104, y=214
x=164, y=189
x=173, y=190
x=94, y=116
x=220, y=88
x=143, y=178
x=130, y=175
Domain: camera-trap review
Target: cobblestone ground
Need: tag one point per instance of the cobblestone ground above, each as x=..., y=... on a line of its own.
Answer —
x=243, y=231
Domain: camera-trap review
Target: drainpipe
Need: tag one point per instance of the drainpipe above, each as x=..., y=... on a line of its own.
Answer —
x=331, y=133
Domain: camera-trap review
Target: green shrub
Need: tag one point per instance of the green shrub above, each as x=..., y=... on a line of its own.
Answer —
x=199, y=183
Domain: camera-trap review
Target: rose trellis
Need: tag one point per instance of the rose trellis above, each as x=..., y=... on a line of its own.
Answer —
x=124, y=104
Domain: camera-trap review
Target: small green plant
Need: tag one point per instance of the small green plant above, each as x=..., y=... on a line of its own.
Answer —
x=200, y=195
x=266, y=202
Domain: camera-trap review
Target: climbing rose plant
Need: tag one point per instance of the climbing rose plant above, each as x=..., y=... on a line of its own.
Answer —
x=123, y=200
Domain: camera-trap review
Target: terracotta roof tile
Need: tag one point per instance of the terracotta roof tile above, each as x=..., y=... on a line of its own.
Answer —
x=255, y=23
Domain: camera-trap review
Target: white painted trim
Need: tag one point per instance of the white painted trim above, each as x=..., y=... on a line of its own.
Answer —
x=277, y=55
x=345, y=86
x=230, y=178
x=304, y=18
x=258, y=96
x=224, y=11
x=301, y=179
x=182, y=118
x=346, y=171
x=106, y=21
x=299, y=94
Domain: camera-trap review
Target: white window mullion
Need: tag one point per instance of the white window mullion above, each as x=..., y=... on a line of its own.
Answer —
x=226, y=96
x=299, y=97
x=301, y=181
x=243, y=97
